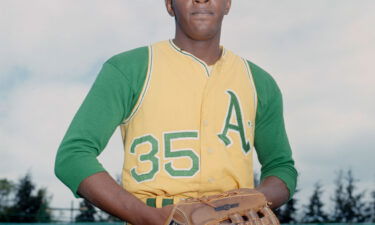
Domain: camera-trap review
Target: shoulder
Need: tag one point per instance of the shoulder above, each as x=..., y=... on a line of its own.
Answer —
x=268, y=92
x=264, y=82
x=131, y=65
x=134, y=58
x=262, y=78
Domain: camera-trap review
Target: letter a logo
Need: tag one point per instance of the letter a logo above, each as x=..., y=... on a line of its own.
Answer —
x=234, y=109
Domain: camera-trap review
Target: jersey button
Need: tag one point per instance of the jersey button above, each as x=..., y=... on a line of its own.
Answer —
x=210, y=150
x=205, y=123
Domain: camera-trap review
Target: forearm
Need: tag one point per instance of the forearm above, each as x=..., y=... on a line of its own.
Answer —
x=275, y=191
x=102, y=191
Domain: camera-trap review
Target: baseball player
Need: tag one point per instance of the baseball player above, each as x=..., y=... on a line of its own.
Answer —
x=191, y=114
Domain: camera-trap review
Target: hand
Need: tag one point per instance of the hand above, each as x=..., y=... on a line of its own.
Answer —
x=154, y=216
x=275, y=191
x=165, y=212
x=119, y=202
x=240, y=206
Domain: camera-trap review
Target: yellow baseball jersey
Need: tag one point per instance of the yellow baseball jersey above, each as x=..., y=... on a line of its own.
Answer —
x=192, y=130
x=188, y=128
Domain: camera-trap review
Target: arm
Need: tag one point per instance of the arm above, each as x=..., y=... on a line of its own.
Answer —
x=101, y=112
x=109, y=101
x=101, y=190
x=275, y=191
x=278, y=174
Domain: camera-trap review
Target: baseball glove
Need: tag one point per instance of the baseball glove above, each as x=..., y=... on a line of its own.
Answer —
x=240, y=206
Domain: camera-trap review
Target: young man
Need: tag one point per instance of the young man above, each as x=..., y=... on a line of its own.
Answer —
x=191, y=114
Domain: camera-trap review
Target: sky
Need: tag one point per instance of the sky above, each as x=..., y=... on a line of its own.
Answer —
x=321, y=53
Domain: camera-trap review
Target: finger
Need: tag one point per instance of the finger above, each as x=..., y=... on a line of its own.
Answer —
x=253, y=218
x=225, y=223
x=271, y=217
x=236, y=218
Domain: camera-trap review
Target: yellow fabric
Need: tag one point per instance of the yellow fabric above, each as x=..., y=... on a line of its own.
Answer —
x=159, y=201
x=180, y=95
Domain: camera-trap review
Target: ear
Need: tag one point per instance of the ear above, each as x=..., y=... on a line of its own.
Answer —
x=169, y=6
x=227, y=6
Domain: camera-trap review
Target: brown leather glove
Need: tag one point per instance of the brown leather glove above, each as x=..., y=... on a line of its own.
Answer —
x=241, y=206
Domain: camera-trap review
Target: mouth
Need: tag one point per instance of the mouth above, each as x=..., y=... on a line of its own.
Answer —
x=202, y=12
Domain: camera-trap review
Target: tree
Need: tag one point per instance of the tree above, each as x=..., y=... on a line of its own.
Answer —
x=43, y=213
x=314, y=211
x=354, y=206
x=349, y=206
x=27, y=206
x=288, y=212
x=86, y=212
x=6, y=189
x=338, y=199
x=372, y=208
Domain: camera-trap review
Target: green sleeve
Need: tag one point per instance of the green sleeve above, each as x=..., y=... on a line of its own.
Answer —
x=110, y=100
x=270, y=140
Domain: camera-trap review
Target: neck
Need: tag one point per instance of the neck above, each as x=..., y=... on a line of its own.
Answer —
x=207, y=50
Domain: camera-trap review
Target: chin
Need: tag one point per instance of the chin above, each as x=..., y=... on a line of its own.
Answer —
x=202, y=37
x=203, y=34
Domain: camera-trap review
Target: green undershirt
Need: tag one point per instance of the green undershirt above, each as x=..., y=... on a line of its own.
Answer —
x=111, y=100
